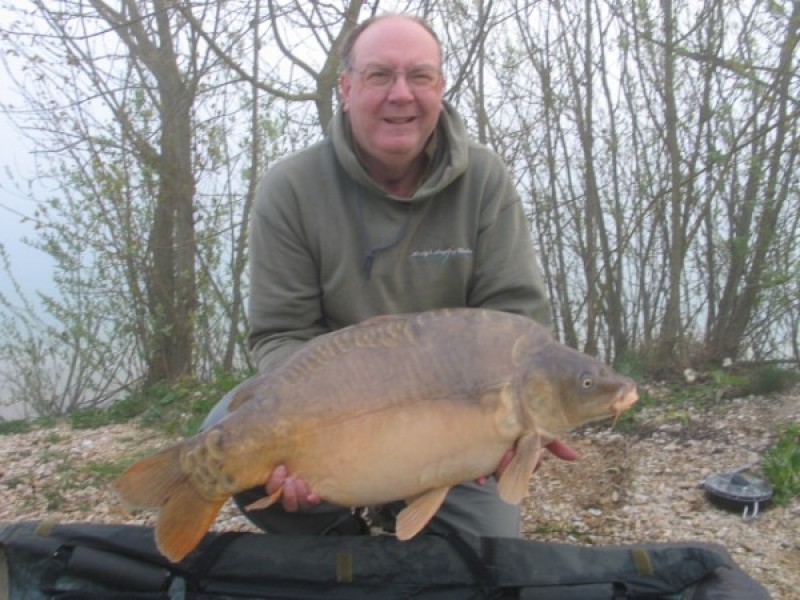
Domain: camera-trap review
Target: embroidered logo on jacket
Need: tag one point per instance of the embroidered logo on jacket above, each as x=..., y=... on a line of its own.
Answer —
x=441, y=255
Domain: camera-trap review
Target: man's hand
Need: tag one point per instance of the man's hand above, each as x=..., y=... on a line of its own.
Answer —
x=557, y=448
x=296, y=493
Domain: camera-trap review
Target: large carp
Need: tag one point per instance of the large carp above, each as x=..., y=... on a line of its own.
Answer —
x=397, y=407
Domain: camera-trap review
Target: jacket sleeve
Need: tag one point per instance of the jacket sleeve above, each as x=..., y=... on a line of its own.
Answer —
x=284, y=307
x=506, y=273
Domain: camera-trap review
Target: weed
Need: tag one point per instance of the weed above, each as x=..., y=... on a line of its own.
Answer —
x=54, y=438
x=88, y=418
x=127, y=408
x=14, y=427
x=53, y=498
x=180, y=407
x=546, y=529
x=771, y=379
x=781, y=465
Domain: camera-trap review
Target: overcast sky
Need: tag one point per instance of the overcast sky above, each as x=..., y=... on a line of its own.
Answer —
x=31, y=267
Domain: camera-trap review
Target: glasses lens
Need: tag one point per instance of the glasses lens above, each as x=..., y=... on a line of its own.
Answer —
x=382, y=77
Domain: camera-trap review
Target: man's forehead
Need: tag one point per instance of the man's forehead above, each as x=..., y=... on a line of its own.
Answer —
x=379, y=43
x=421, y=66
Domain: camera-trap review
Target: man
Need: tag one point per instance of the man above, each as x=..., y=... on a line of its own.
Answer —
x=395, y=212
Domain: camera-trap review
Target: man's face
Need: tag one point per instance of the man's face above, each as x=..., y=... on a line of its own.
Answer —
x=392, y=122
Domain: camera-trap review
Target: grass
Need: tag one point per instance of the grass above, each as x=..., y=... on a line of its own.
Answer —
x=15, y=427
x=558, y=530
x=781, y=465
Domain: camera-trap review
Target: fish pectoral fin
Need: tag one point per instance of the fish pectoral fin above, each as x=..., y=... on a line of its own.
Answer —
x=513, y=483
x=266, y=501
x=183, y=521
x=419, y=511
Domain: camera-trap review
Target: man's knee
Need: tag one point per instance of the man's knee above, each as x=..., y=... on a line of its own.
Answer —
x=478, y=510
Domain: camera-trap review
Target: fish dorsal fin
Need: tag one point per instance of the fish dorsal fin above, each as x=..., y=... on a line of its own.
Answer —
x=513, y=483
x=419, y=511
x=245, y=392
x=382, y=319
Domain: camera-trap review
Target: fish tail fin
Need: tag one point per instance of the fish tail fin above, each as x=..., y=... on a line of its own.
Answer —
x=183, y=521
x=150, y=482
x=184, y=516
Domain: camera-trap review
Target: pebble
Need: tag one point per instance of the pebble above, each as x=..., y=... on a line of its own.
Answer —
x=651, y=486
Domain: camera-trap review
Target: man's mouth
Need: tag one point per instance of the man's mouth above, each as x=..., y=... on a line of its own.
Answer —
x=399, y=120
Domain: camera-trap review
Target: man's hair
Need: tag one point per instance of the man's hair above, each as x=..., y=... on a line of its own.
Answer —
x=346, y=52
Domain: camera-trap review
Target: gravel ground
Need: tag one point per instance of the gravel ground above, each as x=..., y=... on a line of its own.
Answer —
x=645, y=486
x=627, y=487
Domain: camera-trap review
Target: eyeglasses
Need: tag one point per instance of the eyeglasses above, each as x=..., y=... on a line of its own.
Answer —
x=383, y=78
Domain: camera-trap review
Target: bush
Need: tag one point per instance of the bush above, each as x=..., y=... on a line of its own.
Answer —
x=180, y=407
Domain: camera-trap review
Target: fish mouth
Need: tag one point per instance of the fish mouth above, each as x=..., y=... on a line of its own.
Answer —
x=624, y=400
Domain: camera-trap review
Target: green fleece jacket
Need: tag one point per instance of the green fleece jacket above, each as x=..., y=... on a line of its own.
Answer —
x=329, y=248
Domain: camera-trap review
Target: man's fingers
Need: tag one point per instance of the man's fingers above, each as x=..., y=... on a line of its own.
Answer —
x=296, y=493
x=276, y=479
x=305, y=497
x=504, y=462
x=560, y=450
x=291, y=502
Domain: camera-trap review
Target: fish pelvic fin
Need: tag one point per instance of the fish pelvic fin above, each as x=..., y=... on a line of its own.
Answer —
x=266, y=501
x=419, y=511
x=183, y=521
x=513, y=483
x=185, y=515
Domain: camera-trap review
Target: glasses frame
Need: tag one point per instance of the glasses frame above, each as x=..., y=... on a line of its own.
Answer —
x=396, y=73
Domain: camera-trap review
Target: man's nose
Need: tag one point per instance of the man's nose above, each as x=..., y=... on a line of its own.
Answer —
x=400, y=89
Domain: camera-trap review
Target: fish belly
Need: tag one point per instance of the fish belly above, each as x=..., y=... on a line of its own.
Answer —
x=399, y=453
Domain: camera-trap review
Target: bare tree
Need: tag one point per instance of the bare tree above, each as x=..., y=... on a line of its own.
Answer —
x=770, y=181
x=300, y=35
x=654, y=143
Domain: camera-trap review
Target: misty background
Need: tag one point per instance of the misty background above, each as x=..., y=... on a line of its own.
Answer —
x=654, y=144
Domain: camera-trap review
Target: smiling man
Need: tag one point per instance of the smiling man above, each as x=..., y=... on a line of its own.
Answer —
x=396, y=211
x=392, y=90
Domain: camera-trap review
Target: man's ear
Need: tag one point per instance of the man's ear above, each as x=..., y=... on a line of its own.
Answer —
x=345, y=83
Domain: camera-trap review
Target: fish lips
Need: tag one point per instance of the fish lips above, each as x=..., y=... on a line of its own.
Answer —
x=626, y=398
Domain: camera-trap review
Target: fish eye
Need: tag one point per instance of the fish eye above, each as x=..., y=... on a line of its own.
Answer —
x=586, y=381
